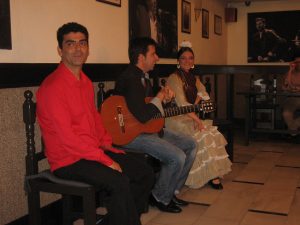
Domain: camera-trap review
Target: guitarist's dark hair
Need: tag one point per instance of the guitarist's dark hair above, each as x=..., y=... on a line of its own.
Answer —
x=139, y=46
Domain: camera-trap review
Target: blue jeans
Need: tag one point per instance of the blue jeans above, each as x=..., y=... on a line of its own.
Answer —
x=176, y=152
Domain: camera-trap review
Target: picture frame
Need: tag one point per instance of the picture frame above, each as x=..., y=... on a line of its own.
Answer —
x=5, y=25
x=280, y=40
x=186, y=17
x=205, y=23
x=164, y=28
x=111, y=2
x=218, y=25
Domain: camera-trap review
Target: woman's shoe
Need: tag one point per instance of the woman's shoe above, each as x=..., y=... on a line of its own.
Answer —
x=217, y=186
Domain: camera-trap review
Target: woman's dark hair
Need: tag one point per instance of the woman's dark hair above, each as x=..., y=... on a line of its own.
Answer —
x=139, y=46
x=183, y=50
x=68, y=28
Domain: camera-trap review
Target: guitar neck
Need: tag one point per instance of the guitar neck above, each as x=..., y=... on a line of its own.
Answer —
x=175, y=111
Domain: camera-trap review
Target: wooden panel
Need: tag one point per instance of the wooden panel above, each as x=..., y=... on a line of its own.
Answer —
x=32, y=74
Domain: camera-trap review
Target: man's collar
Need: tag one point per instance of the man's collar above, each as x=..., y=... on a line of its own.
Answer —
x=69, y=76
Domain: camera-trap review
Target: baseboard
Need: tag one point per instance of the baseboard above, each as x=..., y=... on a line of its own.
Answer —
x=51, y=215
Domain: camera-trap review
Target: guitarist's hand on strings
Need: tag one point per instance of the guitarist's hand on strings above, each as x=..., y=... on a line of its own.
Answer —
x=165, y=94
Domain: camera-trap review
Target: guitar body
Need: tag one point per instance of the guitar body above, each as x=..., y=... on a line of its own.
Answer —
x=121, y=124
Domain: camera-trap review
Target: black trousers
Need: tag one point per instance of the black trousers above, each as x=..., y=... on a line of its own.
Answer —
x=127, y=192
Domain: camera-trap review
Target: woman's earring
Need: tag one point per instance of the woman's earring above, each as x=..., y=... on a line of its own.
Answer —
x=178, y=66
x=193, y=67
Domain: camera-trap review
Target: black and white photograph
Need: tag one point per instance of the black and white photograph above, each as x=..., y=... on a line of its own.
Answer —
x=205, y=23
x=273, y=36
x=156, y=19
x=5, y=29
x=111, y=2
x=186, y=17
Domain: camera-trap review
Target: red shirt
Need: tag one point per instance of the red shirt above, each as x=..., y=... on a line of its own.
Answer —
x=72, y=128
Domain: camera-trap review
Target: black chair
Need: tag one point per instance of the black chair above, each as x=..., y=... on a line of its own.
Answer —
x=44, y=181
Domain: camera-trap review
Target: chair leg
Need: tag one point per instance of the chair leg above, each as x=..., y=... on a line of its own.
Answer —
x=34, y=211
x=67, y=210
x=89, y=207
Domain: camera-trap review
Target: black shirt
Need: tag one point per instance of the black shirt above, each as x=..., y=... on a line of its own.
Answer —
x=130, y=86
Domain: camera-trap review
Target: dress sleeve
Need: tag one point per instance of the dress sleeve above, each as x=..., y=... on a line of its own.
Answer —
x=201, y=90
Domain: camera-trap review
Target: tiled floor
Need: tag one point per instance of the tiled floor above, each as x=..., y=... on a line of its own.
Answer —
x=262, y=189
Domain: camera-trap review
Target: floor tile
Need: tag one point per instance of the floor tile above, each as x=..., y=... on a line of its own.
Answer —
x=234, y=202
x=214, y=221
x=294, y=215
x=236, y=169
x=252, y=218
x=244, y=154
x=277, y=194
x=291, y=158
x=205, y=195
x=152, y=213
x=188, y=216
x=258, y=168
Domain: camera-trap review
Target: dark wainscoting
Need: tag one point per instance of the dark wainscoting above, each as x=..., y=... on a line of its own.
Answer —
x=14, y=75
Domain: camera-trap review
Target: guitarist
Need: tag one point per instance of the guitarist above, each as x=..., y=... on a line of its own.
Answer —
x=175, y=151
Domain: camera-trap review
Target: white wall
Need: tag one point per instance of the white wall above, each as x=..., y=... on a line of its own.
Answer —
x=34, y=24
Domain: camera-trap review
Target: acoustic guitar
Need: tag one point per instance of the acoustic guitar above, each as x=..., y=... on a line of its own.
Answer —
x=124, y=127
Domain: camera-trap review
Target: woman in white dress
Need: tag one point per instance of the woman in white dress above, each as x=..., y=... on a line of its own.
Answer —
x=212, y=161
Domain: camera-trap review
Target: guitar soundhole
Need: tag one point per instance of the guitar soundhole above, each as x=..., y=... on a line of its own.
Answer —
x=121, y=119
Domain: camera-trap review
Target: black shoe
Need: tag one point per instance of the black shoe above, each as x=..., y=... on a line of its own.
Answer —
x=171, y=207
x=218, y=186
x=179, y=202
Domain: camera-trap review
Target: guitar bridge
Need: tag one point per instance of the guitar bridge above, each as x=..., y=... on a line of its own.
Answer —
x=121, y=119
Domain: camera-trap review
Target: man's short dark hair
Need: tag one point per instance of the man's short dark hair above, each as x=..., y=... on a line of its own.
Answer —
x=68, y=28
x=139, y=46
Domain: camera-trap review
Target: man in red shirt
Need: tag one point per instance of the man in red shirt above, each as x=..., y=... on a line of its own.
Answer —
x=77, y=145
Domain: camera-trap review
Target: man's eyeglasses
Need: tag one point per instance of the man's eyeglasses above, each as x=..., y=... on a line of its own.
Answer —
x=73, y=43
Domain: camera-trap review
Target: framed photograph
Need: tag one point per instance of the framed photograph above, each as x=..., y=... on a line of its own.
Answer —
x=111, y=2
x=218, y=25
x=156, y=19
x=5, y=28
x=186, y=17
x=273, y=36
x=205, y=23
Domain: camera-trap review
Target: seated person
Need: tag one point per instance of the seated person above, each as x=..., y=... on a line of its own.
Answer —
x=211, y=161
x=77, y=145
x=174, y=150
x=292, y=104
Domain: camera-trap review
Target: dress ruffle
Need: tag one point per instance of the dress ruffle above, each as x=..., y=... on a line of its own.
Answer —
x=212, y=159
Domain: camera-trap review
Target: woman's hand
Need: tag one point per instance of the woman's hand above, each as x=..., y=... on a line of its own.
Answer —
x=199, y=125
